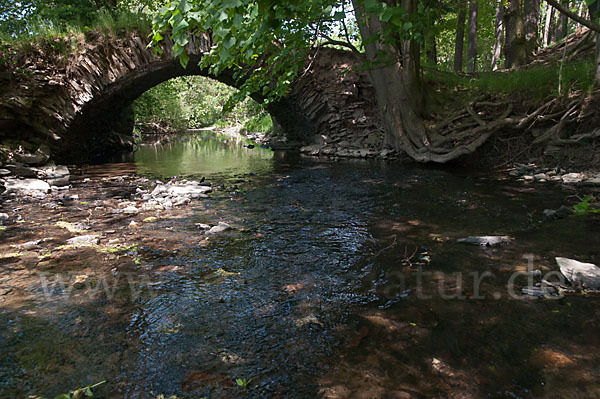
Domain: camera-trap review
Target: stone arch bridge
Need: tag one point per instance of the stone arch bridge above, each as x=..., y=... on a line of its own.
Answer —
x=76, y=103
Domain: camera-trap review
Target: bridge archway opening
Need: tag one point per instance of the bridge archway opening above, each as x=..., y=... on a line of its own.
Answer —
x=104, y=125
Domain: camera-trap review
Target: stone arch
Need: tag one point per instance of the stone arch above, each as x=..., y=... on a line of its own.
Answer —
x=78, y=109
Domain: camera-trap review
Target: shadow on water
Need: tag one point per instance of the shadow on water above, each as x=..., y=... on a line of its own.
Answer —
x=342, y=279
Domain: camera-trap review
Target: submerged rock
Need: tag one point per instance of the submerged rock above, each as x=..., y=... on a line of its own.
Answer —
x=220, y=228
x=579, y=274
x=485, y=241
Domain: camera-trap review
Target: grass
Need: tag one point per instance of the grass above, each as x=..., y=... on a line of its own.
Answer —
x=63, y=38
x=535, y=82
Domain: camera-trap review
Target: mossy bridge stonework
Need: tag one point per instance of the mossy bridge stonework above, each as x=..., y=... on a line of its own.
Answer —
x=77, y=102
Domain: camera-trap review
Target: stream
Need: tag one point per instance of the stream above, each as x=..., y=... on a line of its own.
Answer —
x=339, y=279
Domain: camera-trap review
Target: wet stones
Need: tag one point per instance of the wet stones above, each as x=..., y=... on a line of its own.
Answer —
x=485, y=241
x=174, y=194
x=532, y=173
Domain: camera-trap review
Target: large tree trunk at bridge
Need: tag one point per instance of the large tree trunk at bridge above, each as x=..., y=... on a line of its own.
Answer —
x=397, y=86
x=400, y=97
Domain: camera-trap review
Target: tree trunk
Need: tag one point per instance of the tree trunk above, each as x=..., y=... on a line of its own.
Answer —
x=431, y=50
x=397, y=86
x=595, y=17
x=563, y=23
x=515, y=51
x=472, y=37
x=459, y=44
x=532, y=18
x=498, y=30
x=548, y=24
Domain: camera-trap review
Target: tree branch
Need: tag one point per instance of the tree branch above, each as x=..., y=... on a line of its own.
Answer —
x=333, y=42
x=589, y=24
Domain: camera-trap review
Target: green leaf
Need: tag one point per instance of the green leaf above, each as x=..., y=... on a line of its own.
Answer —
x=184, y=59
x=339, y=16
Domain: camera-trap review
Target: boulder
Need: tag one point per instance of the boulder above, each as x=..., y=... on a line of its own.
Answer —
x=579, y=274
x=27, y=186
x=38, y=158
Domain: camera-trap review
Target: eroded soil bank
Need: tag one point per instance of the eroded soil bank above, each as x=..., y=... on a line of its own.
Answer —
x=301, y=278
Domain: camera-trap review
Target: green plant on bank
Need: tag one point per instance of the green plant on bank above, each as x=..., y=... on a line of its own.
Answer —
x=62, y=36
x=81, y=393
x=243, y=383
x=584, y=207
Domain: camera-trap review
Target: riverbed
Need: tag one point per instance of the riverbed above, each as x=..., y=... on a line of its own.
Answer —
x=334, y=279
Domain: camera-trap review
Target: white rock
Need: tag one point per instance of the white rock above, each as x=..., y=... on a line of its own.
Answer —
x=192, y=191
x=52, y=172
x=579, y=273
x=571, y=178
x=220, y=228
x=485, y=241
x=131, y=210
x=27, y=186
x=83, y=241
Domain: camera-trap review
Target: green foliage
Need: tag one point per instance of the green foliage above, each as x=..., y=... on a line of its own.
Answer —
x=195, y=102
x=243, y=382
x=264, y=42
x=584, y=207
x=80, y=393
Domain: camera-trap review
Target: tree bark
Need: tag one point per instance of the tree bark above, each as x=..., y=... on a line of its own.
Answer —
x=548, y=24
x=562, y=26
x=515, y=51
x=532, y=19
x=595, y=17
x=431, y=50
x=498, y=31
x=397, y=86
x=459, y=44
x=472, y=37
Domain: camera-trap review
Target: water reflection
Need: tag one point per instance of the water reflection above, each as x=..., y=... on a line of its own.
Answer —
x=202, y=153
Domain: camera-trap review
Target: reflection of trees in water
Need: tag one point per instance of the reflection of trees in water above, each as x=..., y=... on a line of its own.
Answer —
x=204, y=152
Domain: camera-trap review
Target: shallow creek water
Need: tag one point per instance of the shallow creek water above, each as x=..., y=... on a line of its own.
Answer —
x=339, y=280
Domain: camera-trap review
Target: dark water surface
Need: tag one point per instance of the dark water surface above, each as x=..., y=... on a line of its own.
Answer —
x=339, y=281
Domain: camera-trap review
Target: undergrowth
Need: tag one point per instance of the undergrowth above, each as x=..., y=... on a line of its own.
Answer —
x=535, y=83
x=63, y=37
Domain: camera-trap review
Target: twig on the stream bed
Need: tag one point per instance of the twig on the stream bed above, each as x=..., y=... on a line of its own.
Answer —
x=393, y=244
x=407, y=260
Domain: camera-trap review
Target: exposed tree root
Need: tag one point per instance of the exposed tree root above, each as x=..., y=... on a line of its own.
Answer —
x=464, y=130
